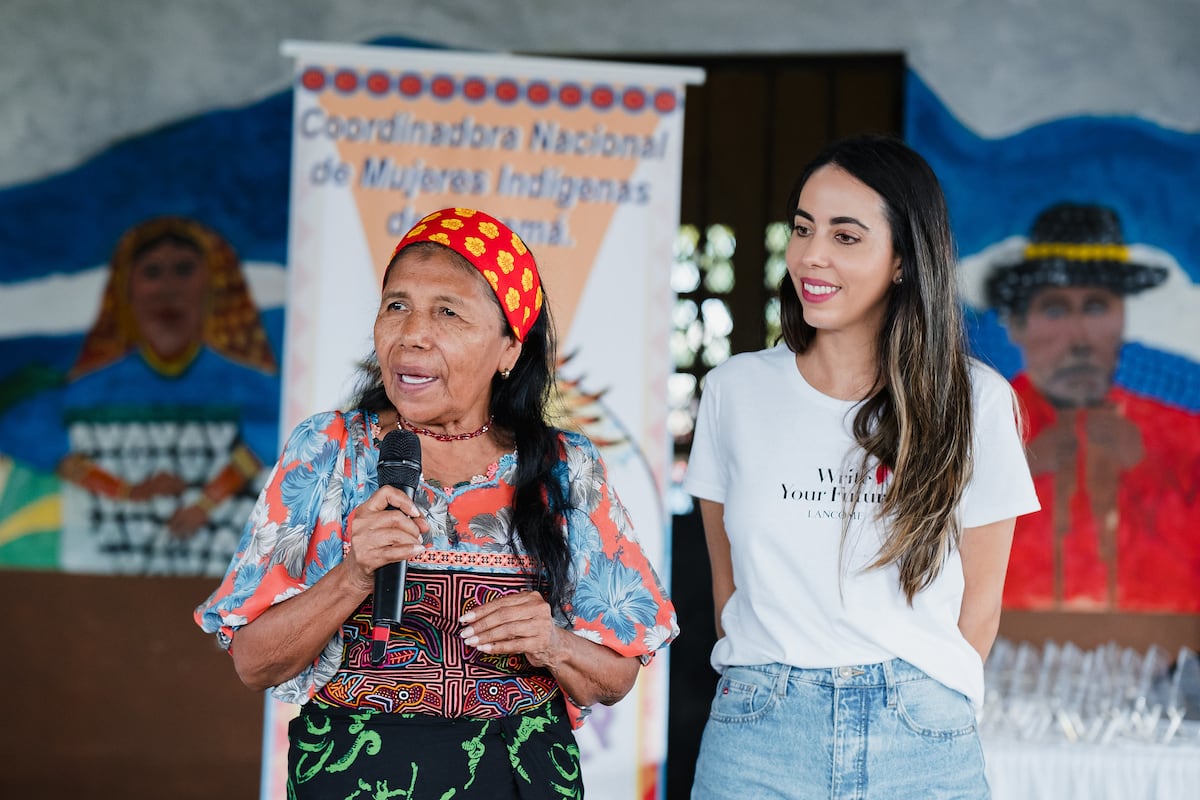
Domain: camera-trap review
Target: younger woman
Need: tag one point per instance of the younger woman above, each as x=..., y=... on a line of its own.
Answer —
x=859, y=485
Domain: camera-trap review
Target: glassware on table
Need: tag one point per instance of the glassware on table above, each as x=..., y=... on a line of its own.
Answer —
x=1096, y=695
x=1184, y=681
x=1147, y=709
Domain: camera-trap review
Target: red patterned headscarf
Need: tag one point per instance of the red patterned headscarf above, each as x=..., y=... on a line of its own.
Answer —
x=496, y=251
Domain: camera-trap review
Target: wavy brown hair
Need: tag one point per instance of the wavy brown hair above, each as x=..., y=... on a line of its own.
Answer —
x=917, y=419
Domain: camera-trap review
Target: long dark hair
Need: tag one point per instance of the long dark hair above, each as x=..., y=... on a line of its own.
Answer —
x=917, y=420
x=519, y=406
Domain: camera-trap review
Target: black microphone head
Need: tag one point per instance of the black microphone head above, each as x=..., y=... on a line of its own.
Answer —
x=400, y=459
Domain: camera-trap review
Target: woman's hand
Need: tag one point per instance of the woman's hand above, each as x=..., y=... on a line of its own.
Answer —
x=516, y=623
x=387, y=528
x=288, y=636
x=588, y=672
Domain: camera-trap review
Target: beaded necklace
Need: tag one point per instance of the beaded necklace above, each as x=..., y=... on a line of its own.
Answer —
x=402, y=423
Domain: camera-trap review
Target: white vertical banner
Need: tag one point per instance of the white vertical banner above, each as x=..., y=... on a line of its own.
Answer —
x=582, y=159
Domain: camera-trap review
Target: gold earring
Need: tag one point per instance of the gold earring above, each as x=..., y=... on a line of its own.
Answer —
x=504, y=373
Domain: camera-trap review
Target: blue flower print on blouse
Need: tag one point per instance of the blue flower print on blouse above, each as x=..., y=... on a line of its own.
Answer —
x=617, y=596
x=308, y=439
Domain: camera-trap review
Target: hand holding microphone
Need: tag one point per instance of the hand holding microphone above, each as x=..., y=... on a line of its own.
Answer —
x=399, y=466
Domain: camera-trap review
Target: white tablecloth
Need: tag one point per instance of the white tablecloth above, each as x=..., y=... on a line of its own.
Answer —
x=1120, y=770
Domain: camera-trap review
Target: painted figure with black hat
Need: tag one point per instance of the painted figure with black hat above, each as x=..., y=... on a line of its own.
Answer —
x=1117, y=473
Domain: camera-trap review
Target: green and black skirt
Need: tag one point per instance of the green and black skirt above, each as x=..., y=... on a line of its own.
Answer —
x=339, y=754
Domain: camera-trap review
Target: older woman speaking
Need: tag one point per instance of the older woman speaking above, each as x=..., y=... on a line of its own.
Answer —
x=527, y=598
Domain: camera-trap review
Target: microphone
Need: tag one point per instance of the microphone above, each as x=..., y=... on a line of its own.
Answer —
x=399, y=466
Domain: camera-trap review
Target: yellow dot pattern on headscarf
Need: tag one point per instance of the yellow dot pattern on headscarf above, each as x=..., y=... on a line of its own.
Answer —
x=475, y=245
x=496, y=251
x=505, y=261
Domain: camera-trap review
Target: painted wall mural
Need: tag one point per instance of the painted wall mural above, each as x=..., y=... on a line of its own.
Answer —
x=139, y=343
x=170, y=409
x=1081, y=269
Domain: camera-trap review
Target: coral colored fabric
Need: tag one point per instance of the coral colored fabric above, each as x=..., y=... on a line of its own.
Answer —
x=328, y=468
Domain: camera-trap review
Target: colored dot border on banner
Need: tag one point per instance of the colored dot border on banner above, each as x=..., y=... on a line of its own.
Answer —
x=442, y=87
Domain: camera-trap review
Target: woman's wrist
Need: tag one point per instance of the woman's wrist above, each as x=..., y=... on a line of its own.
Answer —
x=351, y=581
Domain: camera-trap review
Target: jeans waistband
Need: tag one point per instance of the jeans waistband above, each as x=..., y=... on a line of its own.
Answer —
x=881, y=674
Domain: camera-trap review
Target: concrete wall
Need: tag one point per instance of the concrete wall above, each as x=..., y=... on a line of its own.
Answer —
x=76, y=75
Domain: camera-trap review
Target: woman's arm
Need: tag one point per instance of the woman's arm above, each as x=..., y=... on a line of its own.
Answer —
x=287, y=637
x=588, y=672
x=984, y=551
x=719, y=558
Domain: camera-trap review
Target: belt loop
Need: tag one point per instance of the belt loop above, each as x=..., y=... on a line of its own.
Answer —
x=889, y=679
x=781, y=680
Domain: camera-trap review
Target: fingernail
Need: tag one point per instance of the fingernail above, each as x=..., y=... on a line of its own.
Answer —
x=467, y=617
x=472, y=640
x=465, y=632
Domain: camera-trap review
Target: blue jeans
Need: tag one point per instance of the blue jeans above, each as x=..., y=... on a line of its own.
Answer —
x=885, y=731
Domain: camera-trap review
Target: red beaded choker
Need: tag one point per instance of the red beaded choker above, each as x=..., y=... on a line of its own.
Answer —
x=401, y=422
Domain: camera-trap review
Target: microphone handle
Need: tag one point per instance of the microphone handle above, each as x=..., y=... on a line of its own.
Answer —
x=388, y=603
x=388, y=606
x=389, y=592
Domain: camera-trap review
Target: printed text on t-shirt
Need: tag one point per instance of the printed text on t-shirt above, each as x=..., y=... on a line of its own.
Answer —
x=835, y=486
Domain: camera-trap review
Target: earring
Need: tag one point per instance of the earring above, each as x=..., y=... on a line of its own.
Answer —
x=899, y=279
x=504, y=373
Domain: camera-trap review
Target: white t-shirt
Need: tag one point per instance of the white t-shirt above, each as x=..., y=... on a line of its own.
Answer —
x=780, y=456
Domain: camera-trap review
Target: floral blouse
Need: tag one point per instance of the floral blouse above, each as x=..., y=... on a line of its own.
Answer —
x=300, y=523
